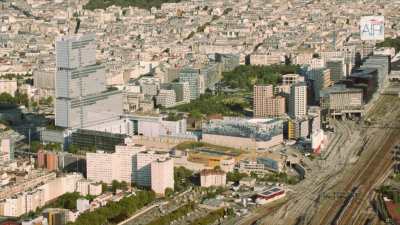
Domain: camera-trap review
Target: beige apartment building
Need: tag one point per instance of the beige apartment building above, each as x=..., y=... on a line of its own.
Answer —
x=265, y=103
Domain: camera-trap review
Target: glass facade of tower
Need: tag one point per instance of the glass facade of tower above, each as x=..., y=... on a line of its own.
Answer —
x=82, y=98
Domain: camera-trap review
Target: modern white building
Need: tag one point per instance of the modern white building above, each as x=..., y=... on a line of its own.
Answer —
x=107, y=167
x=82, y=98
x=298, y=100
x=142, y=166
x=156, y=126
x=162, y=175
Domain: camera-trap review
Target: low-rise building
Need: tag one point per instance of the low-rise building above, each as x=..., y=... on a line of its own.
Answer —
x=270, y=195
x=210, y=177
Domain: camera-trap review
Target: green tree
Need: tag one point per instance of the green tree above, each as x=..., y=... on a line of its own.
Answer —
x=182, y=178
x=6, y=98
x=390, y=42
x=115, y=185
x=235, y=176
x=168, y=192
x=104, y=187
x=73, y=149
x=35, y=146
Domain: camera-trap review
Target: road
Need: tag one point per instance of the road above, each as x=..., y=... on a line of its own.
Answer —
x=141, y=212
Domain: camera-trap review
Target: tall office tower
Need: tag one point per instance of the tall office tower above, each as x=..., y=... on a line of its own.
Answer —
x=298, y=100
x=337, y=68
x=265, y=104
x=82, y=98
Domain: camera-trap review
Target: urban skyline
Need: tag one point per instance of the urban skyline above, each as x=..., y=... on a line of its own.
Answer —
x=189, y=112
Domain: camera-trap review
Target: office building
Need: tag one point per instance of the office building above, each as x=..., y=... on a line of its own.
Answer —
x=195, y=80
x=162, y=171
x=166, y=98
x=339, y=100
x=182, y=91
x=243, y=133
x=321, y=79
x=298, y=100
x=158, y=126
x=82, y=98
x=100, y=140
x=367, y=80
x=149, y=86
x=381, y=63
x=336, y=65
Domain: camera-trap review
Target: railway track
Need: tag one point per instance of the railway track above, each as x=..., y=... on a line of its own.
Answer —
x=264, y=211
x=363, y=176
x=366, y=175
x=370, y=176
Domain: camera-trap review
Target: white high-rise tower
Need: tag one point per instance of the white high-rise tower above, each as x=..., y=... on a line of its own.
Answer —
x=82, y=99
x=298, y=100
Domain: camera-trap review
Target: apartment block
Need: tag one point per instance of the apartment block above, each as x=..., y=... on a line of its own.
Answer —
x=161, y=171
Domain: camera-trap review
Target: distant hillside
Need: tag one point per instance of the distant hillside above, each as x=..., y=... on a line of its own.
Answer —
x=146, y=4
